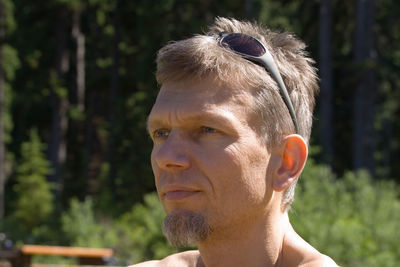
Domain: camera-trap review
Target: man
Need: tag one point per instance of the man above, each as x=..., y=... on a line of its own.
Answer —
x=230, y=141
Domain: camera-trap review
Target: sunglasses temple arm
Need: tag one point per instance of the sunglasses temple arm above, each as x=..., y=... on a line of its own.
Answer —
x=269, y=63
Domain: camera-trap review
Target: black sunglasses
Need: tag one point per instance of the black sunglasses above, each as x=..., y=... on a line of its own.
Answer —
x=253, y=50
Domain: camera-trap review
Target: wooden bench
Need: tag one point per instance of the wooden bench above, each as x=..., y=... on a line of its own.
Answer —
x=86, y=256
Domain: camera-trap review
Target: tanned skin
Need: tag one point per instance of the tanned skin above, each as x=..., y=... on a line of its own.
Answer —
x=207, y=150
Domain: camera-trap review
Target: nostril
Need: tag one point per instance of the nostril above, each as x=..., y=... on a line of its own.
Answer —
x=173, y=161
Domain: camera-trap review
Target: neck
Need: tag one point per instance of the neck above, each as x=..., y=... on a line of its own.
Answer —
x=258, y=244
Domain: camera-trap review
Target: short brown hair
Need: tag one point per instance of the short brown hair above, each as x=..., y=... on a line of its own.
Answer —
x=201, y=56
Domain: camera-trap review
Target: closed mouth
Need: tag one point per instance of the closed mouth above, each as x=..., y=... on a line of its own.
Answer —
x=177, y=192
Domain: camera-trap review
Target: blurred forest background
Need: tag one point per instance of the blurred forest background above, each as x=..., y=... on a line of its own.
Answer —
x=77, y=82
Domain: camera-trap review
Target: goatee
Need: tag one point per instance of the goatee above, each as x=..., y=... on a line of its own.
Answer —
x=185, y=228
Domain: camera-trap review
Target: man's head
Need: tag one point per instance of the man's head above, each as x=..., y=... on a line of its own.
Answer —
x=201, y=56
x=199, y=76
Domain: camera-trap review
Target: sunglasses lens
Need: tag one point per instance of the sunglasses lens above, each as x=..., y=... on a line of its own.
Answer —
x=244, y=44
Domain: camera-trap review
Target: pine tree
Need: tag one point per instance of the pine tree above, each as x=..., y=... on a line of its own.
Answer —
x=35, y=201
x=9, y=62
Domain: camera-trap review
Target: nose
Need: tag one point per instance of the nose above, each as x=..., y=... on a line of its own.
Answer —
x=171, y=155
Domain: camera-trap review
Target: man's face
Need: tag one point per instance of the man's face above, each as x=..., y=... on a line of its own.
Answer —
x=207, y=158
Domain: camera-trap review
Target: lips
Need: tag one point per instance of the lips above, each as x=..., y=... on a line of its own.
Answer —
x=177, y=192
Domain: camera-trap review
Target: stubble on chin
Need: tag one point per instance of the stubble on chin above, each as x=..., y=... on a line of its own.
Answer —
x=186, y=228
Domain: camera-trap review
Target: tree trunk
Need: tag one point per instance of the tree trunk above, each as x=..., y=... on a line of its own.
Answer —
x=325, y=68
x=59, y=103
x=114, y=88
x=249, y=9
x=79, y=39
x=2, y=144
x=364, y=99
x=92, y=147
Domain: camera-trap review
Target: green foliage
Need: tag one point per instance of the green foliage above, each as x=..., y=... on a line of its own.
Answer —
x=9, y=64
x=354, y=219
x=54, y=260
x=135, y=236
x=9, y=20
x=81, y=228
x=35, y=201
x=10, y=61
x=7, y=118
x=141, y=228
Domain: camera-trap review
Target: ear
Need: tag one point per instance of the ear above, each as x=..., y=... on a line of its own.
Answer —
x=292, y=156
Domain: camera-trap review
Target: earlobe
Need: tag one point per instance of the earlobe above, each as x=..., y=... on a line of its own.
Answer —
x=292, y=157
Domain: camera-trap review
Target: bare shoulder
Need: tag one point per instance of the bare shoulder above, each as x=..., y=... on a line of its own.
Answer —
x=146, y=264
x=328, y=262
x=184, y=259
x=312, y=258
x=297, y=252
x=319, y=261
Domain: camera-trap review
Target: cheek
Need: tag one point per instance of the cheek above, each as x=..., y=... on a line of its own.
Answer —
x=240, y=188
x=152, y=160
x=155, y=168
x=244, y=171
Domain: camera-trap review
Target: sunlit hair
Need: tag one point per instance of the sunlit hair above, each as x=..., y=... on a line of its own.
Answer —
x=201, y=56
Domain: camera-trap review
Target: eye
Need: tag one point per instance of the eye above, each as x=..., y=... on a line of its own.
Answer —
x=206, y=129
x=160, y=133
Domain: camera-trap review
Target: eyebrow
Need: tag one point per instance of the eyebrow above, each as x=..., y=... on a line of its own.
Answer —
x=150, y=123
x=208, y=117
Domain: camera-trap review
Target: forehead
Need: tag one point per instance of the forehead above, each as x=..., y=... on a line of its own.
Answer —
x=209, y=88
x=193, y=98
